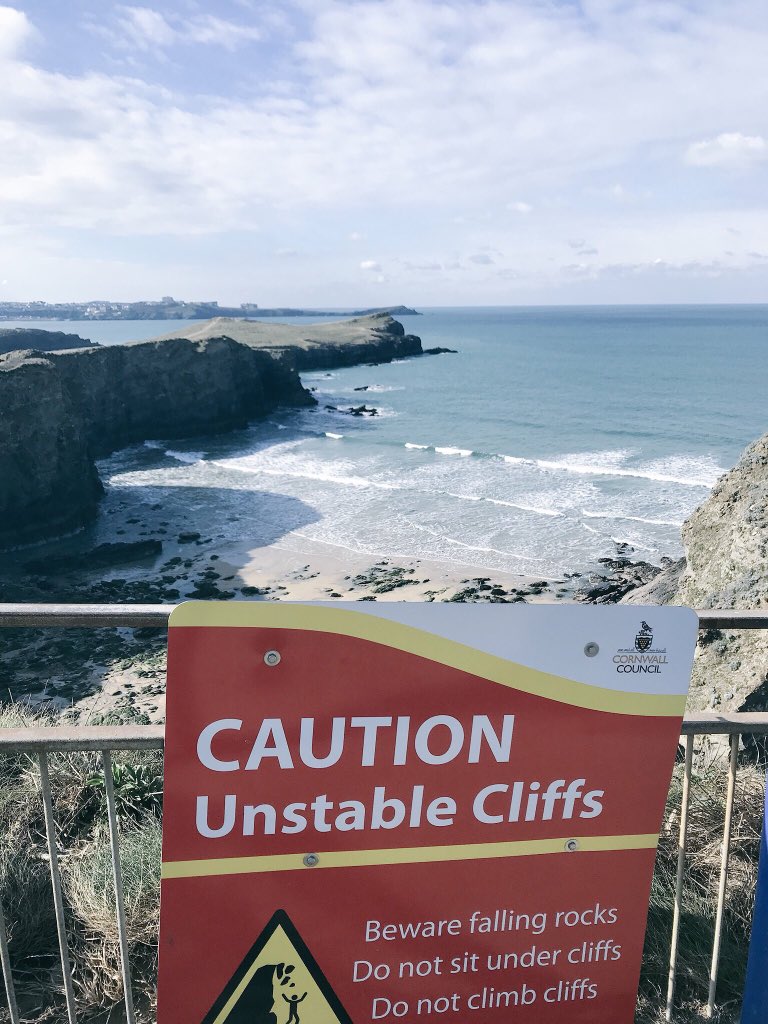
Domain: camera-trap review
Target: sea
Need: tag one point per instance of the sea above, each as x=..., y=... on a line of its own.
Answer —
x=551, y=436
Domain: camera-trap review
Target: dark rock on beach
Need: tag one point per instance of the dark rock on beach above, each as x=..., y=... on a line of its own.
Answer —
x=621, y=577
x=100, y=557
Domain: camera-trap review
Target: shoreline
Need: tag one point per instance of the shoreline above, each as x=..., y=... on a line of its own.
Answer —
x=127, y=676
x=298, y=569
x=119, y=674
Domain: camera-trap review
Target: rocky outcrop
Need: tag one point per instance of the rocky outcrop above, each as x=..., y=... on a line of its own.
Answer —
x=726, y=566
x=48, y=479
x=661, y=588
x=620, y=576
x=369, y=339
x=59, y=411
x=128, y=393
x=14, y=339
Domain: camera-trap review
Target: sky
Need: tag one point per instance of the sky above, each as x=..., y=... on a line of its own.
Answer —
x=350, y=153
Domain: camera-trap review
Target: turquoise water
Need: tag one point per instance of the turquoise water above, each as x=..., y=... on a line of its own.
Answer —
x=552, y=434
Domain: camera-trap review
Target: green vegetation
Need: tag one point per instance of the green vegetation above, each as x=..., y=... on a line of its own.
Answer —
x=83, y=843
x=79, y=795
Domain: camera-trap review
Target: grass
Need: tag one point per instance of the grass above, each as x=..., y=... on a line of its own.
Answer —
x=84, y=853
x=78, y=787
x=705, y=832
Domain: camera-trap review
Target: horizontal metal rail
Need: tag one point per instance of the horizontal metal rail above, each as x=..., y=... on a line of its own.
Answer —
x=83, y=737
x=90, y=615
x=143, y=615
x=152, y=737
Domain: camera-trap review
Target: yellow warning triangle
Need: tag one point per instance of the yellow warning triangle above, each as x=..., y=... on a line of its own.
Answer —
x=278, y=982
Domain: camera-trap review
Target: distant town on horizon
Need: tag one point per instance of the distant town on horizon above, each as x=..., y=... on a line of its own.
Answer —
x=166, y=308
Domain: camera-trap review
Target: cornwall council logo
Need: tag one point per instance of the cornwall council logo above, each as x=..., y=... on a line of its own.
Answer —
x=644, y=637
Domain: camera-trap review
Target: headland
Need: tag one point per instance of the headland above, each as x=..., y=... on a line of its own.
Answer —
x=61, y=410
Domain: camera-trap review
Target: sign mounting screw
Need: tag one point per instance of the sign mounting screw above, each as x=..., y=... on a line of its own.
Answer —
x=311, y=860
x=571, y=845
x=591, y=649
x=272, y=658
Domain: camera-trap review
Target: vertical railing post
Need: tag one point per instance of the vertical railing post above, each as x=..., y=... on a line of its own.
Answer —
x=5, y=960
x=681, y=850
x=117, y=877
x=58, y=899
x=723, y=875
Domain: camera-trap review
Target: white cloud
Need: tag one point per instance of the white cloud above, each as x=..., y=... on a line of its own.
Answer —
x=217, y=31
x=497, y=94
x=15, y=30
x=730, y=149
x=146, y=29
x=507, y=98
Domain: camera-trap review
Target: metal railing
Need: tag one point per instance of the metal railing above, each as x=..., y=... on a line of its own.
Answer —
x=106, y=739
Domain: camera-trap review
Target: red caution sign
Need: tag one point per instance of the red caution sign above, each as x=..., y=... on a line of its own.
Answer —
x=413, y=812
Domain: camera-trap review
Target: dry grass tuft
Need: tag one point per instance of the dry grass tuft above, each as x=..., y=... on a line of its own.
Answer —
x=90, y=892
x=83, y=844
x=705, y=833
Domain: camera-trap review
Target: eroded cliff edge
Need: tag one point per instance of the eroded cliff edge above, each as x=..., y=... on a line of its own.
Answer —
x=726, y=566
x=59, y=411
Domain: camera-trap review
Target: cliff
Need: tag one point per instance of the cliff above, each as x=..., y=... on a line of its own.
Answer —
x=369, y=339
x=48, y=480
x=61, y=410
x=726, y=566
x=12, y=339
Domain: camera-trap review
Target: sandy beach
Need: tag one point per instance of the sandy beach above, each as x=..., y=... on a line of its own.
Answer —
x=297, y=569
x=111, y=672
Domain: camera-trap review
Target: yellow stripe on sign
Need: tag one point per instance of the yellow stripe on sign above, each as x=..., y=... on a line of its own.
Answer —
x=409, y=855
x=439, y=649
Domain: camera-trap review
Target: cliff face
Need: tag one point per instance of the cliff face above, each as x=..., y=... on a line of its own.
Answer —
x=12, y=339
x=178, y=388
x=726, y=566
x=59, y=411
x=48, y=481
